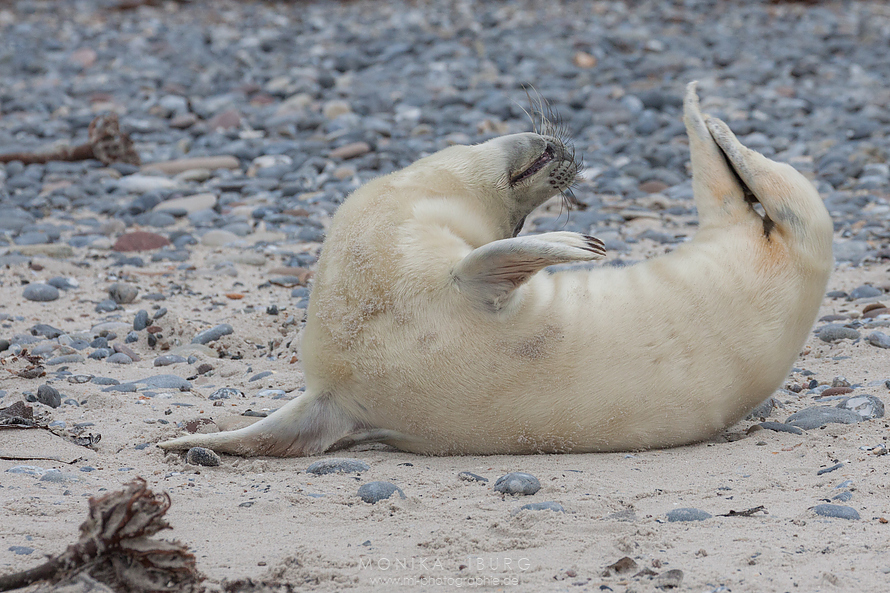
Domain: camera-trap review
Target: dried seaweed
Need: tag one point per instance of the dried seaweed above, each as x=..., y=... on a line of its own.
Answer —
x=115, y=548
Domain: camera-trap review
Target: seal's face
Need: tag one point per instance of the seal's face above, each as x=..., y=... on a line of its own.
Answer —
x=533, y=168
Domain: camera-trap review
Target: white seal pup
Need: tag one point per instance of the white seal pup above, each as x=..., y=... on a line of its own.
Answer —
x=433, y=328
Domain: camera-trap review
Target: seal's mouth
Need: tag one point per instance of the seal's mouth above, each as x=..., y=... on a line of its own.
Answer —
x=541, y=162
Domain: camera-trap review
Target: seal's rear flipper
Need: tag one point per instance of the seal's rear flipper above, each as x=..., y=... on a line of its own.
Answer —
x=307, y=425
x=492, y=272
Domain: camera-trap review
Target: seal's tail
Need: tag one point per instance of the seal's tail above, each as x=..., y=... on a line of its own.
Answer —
x=307, y=425
x=729, y=178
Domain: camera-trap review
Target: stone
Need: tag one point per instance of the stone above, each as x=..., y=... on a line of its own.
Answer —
x=186, y=164
x=140, y=322
x=141, y=184
x=687, y=514
x=202, y=456
x=119, y=358
x=337, y=465
x=166, y=382
x=541, y=506
x=779, y=427
x=49, y=395
x=64, y=359
x=517, y=483
x=189, y=204
x=122, y=293
x=63, y=283
x=835, y=331
x=168, y=359
x=225, y=393
x=140, y=241
x=669, y=579
x=471, y=477
x=40, y=292
x=879, y=339
x=47, y=331
x=218, y=238
x=836, y=511
x=374, y=492
x=350, y=151
x=213, y=334
x=811, y=418
x=868, y=407
x=865, y=292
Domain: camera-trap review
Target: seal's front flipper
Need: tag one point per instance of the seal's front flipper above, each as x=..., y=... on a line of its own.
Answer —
x=492, y=272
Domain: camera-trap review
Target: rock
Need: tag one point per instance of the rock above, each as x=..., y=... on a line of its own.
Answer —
x=119, y=358
x=122, y=293
x=471, y=477
x=826, y=470
x=687, y=514
x=218, y=238
x=337, y=465
x=834, y=332
x=225, y=393
x=140, y=322
x=350, y=151
x=213, y=334
x=202, y=456
x=179, y=165
x=47, y=331
x=141, y=184
x=189, y=204
x=764, y=409
x=63, y=283
x=40, y=292
x=814, y=417
x=879, y=339
x=836, y=511
x=48, y=395
x=779, y=427
x=140, y=241
x=865, y=292
x=670, y=579
x=107, y=306
x=517, y=483
x=373, y=492
x=168, y=359
x=867, y=406
x=166, y=382
x=541, y=506
x=64, y=359
x=621, y=566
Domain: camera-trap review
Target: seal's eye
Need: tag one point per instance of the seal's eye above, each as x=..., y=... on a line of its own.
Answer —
x=536, y=166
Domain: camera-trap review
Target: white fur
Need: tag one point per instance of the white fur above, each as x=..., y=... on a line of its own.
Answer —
x=413, y=339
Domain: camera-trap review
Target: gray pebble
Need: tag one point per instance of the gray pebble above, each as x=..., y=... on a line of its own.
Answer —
x=810, y=418
x=337, y=465
x=541, y=506
x=49, y=395
x=40, y=292
x=105, y=381
x=225, y=393
x=107, y=306
x=867, y=406
x=879, y=339
x=835, y=331
x=373, y=492
x=865, y=292
x=140, y=322
x=687, y=514
x=836, y=511
x=844, y=496
x=100, y=353
x=168, y=359
x=764, y=409
x=63, y=283
x=57, y=477
x=21, y=550
x=47, y=331
x=517, y=483
x=826, y=470
x=669, y=580
x=65, y=359
x=131, y=337
x=779, y=427
x=122, y=293
x=202, y=456
x=213, y=334
x=166, y=382
x=471, y=477
x=259, y=376
x=119, y=358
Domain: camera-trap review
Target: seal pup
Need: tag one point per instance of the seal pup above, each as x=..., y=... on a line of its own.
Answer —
x=432, y=327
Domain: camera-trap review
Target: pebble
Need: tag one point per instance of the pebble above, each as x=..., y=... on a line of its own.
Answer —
x=168, y=359
x=827, y=470
x=373, y=492
x=213, y=334
x=140, y=322
x=471, y=477
x=40, y=292
x=166, y=382
x=119, y=358
x=122, y=293
x=202, y=456
x=687, y=514
x=21, y=550
x=219, y=238
x=338, y=466
x=64, y=359
x=814, y=417
x=225, y=393
x=779, y=427
x=517, y=483
x=49, y=395
x=63, y=283
x=669, y=579
x=879, y=339
x=867, y=406
x=865, y=291
x=836, y=511
x=140, y=241
x=834, y=332
x=541, y=506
